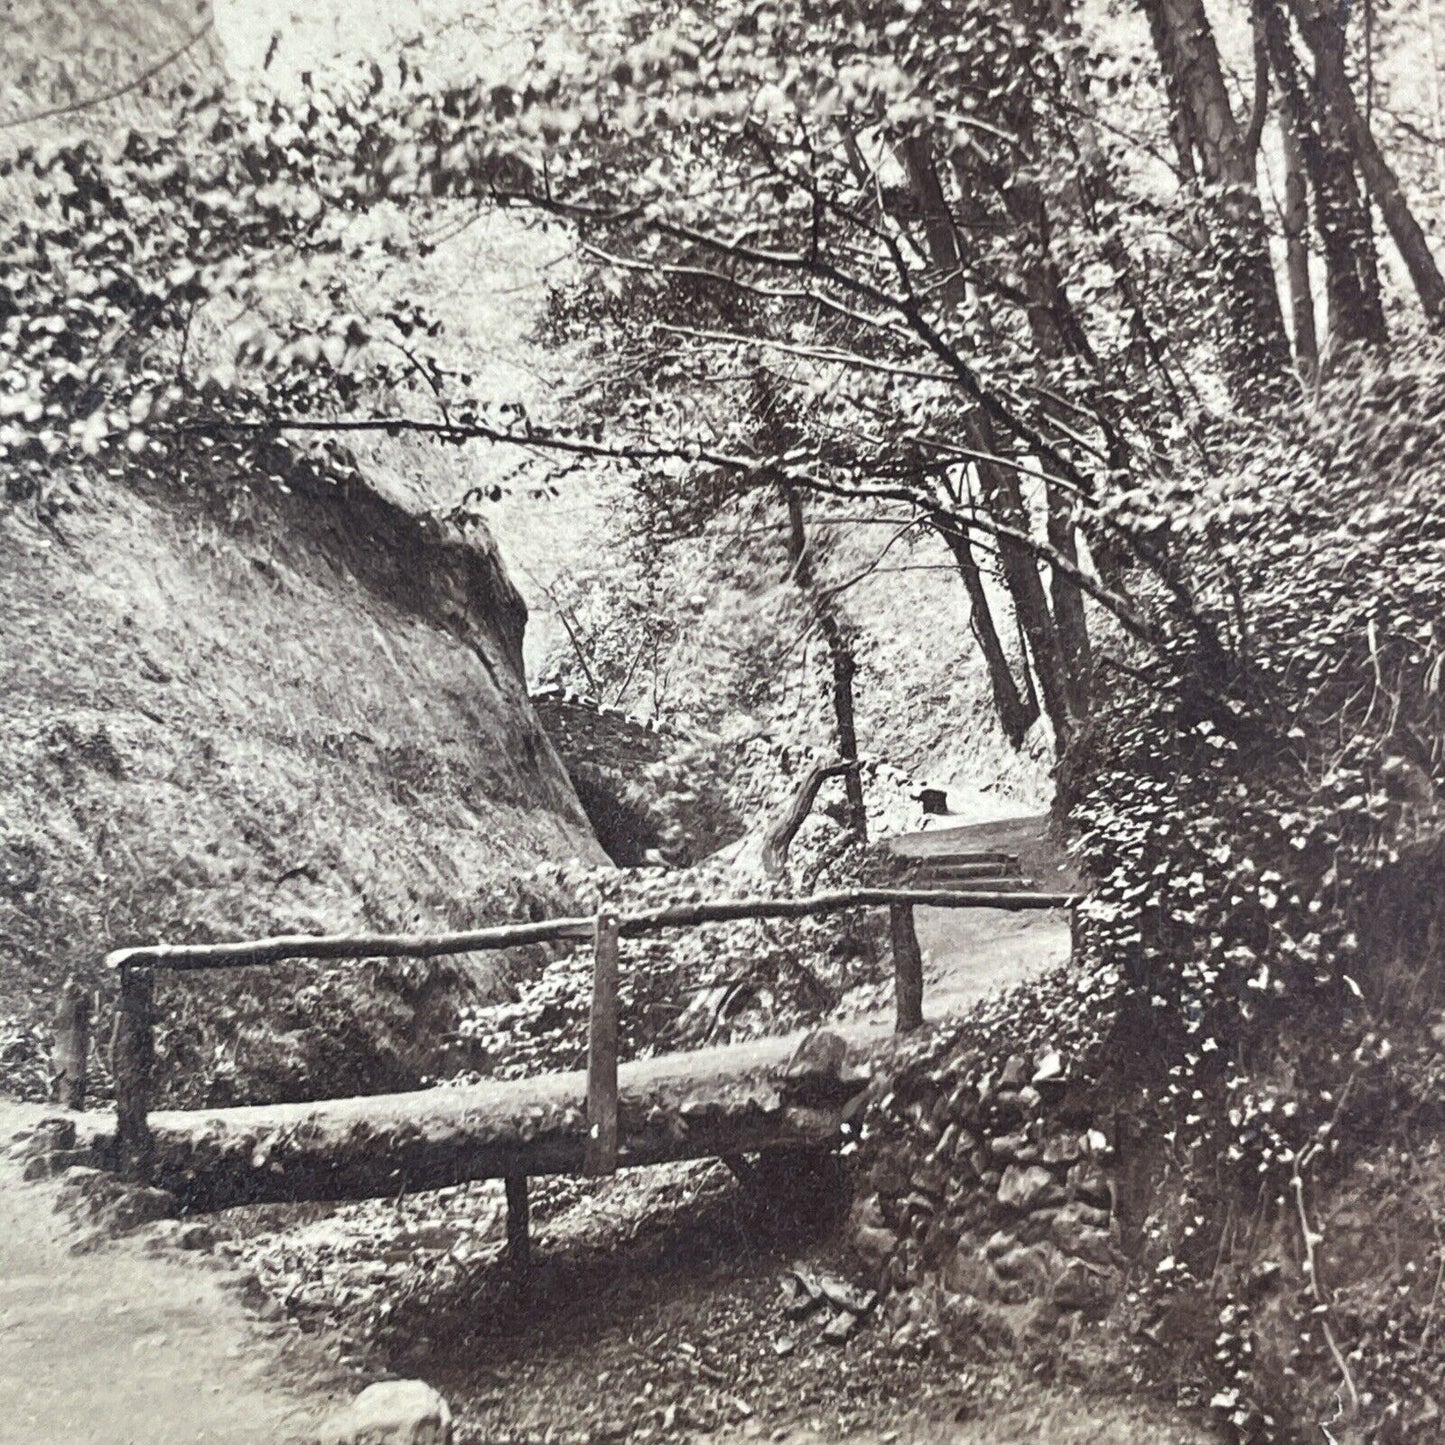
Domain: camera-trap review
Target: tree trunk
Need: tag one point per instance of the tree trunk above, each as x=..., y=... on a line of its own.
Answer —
x=779, y=838
x=1296, y=218
x=998, y=484
x=1070, y=619
x=1255, y=348
x=836, y=635
x=1016, y=714
x=1179, y=113
x=1057, y=333
x=1320, y=33
x=1356, y=316
x=840, y=653
x=1003, y=499
x=1099, y=195
x=938, y=226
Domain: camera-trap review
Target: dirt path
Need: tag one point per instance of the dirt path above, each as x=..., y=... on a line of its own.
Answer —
x=118, y=1346
x=968, y=953
x=649, y=1274
x=654, y=1315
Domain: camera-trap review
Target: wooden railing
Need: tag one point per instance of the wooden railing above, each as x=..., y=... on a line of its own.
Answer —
x=134, y=1047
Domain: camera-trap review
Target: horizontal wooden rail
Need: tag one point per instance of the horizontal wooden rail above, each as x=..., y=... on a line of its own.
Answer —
x=194, y=956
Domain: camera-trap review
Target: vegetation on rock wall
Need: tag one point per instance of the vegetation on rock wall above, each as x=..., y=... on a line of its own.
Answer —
x=1258, y=806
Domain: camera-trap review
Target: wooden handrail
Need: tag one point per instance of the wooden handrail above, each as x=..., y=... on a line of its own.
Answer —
x=133, y=1051
x=194, y=956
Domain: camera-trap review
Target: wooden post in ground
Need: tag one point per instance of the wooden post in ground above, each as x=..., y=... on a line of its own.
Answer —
x=71, y=1053
x=907, y=967
x=601, y=1155
x=132, y=1060
x=519, y=1238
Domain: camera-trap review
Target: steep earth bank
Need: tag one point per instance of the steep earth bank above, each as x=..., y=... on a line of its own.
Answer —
x=234, y=705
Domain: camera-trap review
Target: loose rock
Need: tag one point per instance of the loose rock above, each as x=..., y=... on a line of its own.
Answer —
x=137, y=1206
x=801, y=1295
x=1008, y=1147
x=1087, y=1180
x=1029, y=1187
x=1062, y=1148
x=395, y=1412
x=1080, y=1287
x=930, y=1178
x=844, y=1296
x=1048, y=1066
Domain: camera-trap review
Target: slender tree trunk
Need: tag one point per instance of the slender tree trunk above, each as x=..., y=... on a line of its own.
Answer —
x=1320, y=32
x=1357, y=311
x=998, y=484
x=939, y=230
x=1057, y=333
x=1098, y=194
x=1256, y=350
x=836, y=635
x=1016, y=713
x=1069, y=616
x=779, y=838
x=1297, y=257
x=1180, y=114
x=840, y=653
x=1002, y=496
x=1356, y=316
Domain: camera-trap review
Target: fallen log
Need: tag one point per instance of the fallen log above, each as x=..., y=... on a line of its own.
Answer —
x=739, y=1099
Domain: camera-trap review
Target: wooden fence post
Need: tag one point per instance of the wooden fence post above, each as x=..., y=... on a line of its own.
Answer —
x=907, y=967
x=519, y=1238
x=71, y=1052
x=132, y=1059
x=601, y=1154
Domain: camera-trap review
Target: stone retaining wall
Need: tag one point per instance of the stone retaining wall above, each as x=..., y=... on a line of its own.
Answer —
x=988, y=1201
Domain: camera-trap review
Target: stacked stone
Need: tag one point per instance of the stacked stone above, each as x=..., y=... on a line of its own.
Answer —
x=988, y=1196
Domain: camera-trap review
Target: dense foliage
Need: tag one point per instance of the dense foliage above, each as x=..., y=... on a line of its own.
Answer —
x=977, y=273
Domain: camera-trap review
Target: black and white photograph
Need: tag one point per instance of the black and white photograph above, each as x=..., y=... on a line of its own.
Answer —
x=722, y=722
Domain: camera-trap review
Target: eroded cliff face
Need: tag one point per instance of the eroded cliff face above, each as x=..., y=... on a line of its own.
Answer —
x=230, y=707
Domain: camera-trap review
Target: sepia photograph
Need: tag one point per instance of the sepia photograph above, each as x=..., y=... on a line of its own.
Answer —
x=722, y=722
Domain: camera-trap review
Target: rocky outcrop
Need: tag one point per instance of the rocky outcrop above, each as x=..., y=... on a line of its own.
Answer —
x=266, y=702
x=651, y=792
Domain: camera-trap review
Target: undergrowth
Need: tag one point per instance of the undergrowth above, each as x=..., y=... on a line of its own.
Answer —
x=1258, y=802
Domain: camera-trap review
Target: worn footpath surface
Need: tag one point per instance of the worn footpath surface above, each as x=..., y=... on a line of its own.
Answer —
x=118, y=1346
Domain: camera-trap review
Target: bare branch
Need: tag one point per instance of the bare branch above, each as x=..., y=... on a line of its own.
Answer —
x=104, y=97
